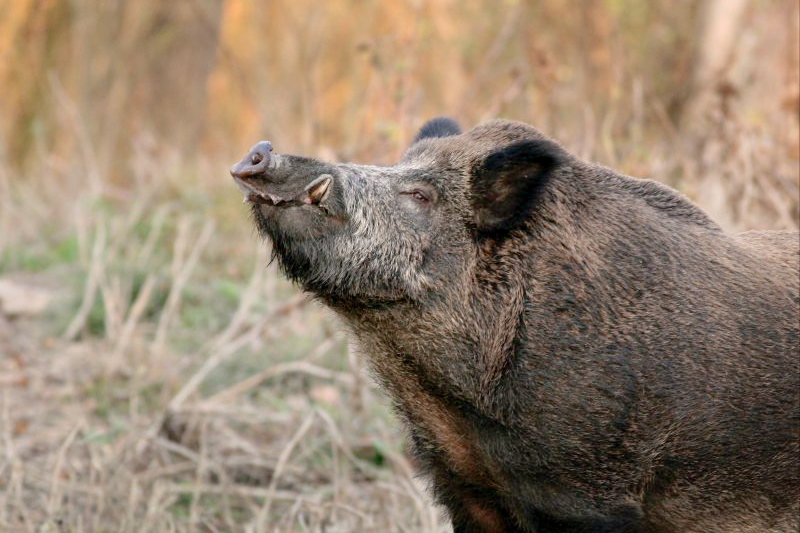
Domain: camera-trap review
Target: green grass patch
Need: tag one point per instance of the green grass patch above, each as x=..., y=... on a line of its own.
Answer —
x=39, y=257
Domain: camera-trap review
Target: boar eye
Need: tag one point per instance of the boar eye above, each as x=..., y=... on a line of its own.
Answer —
x=420, y=197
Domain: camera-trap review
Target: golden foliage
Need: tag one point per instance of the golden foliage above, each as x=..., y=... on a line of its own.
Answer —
x=355, y=77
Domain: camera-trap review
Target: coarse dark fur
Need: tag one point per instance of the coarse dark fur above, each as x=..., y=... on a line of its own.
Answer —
x=570, y=349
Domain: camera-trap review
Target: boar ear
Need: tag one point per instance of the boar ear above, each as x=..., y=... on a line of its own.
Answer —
x=437, y=127
x=507, y=183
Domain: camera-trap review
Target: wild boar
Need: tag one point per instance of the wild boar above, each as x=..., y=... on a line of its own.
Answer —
x=570, y=349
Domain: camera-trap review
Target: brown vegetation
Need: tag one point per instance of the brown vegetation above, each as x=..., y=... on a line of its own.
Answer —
x=174, y=384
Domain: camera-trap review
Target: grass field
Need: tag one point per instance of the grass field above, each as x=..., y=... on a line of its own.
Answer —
x=175, y=381
x=157, y=374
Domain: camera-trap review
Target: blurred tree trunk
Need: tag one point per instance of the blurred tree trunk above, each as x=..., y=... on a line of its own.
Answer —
x=707, y=113
x=98, y=76
x=148, y=80
x=719, y=32
x=30, y=34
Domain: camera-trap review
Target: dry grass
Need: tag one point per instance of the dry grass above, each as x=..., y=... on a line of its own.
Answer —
x=159, y=396
x=175, y=382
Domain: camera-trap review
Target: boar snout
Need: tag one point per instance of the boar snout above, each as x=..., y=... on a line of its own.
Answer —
x=279, y=180
x=255, y=162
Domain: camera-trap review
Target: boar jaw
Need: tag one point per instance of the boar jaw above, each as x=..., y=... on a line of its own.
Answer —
x=313, y=194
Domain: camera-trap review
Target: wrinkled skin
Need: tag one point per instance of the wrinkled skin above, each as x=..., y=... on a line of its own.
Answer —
x=570, y=349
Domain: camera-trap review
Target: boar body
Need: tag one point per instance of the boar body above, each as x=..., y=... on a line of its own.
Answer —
x=570, y=349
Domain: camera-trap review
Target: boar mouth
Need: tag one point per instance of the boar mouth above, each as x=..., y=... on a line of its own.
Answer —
x=256, y=193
